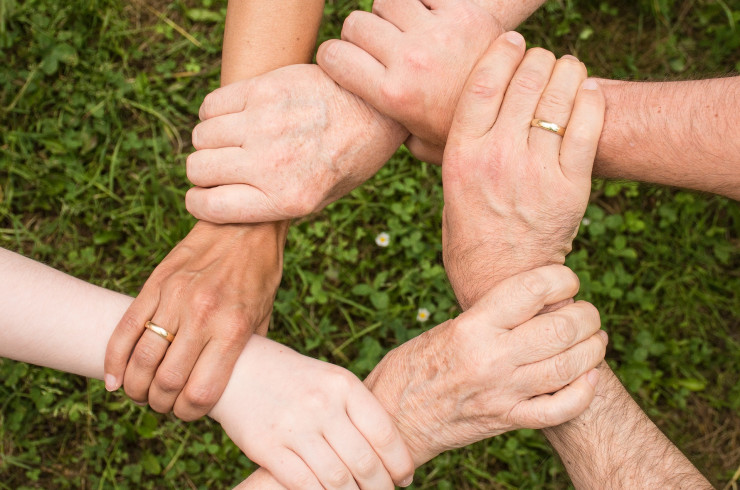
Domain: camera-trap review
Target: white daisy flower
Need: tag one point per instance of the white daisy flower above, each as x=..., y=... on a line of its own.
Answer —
x=585, y=221
x=383, y=239
x=422, y=315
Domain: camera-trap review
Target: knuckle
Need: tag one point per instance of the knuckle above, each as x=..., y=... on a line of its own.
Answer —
x=367, y=465
x=170, y=381
x=385, y=436
x=563, y=369
x=145, y=355
x=201, y=396
x=339, y=477
x=482, y=84
x=302, y=479
x=529, y=81
x=301, y=205
x=205, y=300
x=554, y=99
x=563, y=328
x=533, y=284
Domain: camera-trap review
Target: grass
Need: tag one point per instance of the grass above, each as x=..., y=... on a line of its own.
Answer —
x=97, y=99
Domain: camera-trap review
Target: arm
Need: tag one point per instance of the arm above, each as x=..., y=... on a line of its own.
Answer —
x=299, y=408
x=220, y=281
x=288, y=143
x=613, y=444
x=492, y=369
x=673, y=133
x=263, y=36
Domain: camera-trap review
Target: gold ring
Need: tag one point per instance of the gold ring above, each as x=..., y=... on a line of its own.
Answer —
x=169, y=337
x=548, y=126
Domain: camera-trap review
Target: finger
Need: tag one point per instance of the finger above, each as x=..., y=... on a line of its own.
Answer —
x=208, y=379
x=562, y=369
x=551, y=410
x=404, y=14
x=423, y=151
x=365, y=466
x=221, y=166
x=225, y=100
x=174, y=370
x=484, y=91
x=515, y=300
x=523, y=94
x=377, y=37
x=581, y=138
x=127, y=334
x=381, y=433
x=235, y=203
x=218, y=132
x=326, y=465
x=547, y=335
x=556, y=103
x=354, y=69
x=148, y=353
x=290, y=470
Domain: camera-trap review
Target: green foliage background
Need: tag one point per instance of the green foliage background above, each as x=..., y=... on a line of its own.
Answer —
x=97, y=99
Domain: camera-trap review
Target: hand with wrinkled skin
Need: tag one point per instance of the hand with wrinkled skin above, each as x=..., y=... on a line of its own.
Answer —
x=495, y=368
x=213, y=290
x=410, y=60
x=515, y=194
x=283, y=145
x=315, y=425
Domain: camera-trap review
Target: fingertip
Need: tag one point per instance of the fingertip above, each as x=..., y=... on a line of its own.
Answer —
x=514, y=38
x=593, y=376
x=112, y=383
x=590, y=84
x=327, y=53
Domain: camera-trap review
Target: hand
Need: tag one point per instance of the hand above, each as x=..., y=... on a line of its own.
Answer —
x=496, y=367
x=515, y=194
x=312, y=424
x=283, y=145
x=410, y=60
x=212, y=291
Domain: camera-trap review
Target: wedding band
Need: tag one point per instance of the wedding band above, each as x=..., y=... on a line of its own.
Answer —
x=169, y=337
x=548, y=126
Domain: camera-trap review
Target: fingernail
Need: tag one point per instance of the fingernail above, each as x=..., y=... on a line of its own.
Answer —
x=593, y=377
x=569, y=57
x=514, y=38
x=111, y=383
x=604, y=337
x=590, y=84
x=408, y=481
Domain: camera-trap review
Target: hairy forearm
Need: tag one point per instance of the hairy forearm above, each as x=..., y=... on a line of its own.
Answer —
x=673, y=133
x=615, y=445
